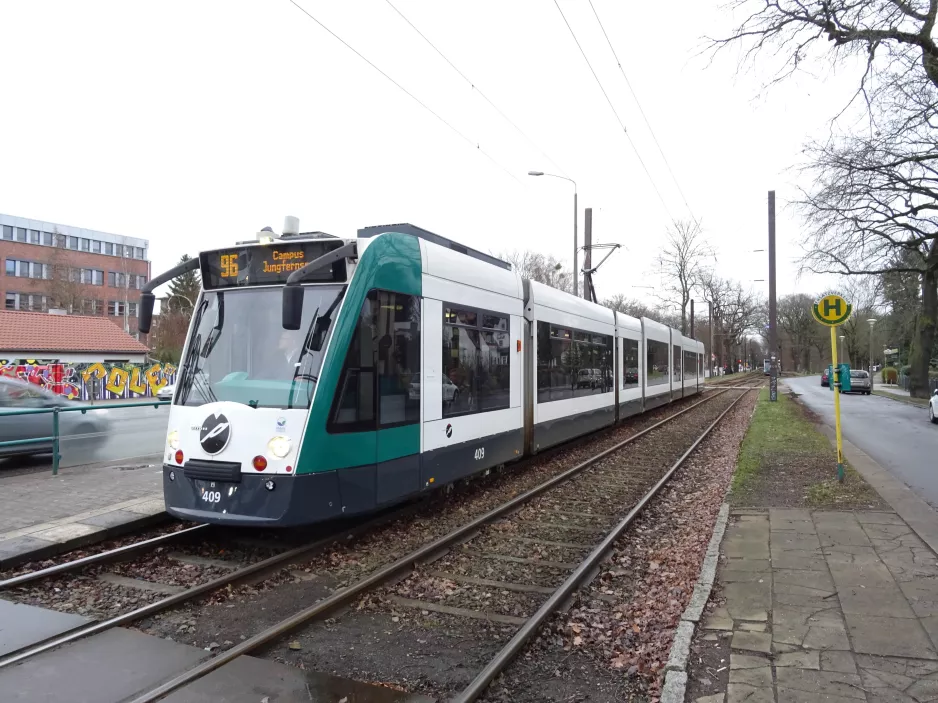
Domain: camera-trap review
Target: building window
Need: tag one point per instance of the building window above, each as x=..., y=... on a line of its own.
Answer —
x=73, y=243
x=476, y=361
x=60, y=241
x=46, y=272
x=10, y=267
x=139, y=253
x=47, y=239
x=656, y=364
x=95, y=246
x=629, y=363
x=8, y=232
x=21, y=234
x=115, y=307
x=112, y=279
x=572, y=363
x=131, y=281
x=10, y=302
x=85, y=244
x=97, y=277
x=132, y=309
x=34, y=235
x=109, y=249
x=74, y=275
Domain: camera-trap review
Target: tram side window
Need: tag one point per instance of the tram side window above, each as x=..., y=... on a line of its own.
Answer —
x=656, y=363
x=476, y=361
x=690, y=365
x=572, y=363
x=398, y=347
x=630, y=365
x=676, y=350
x=354, y=407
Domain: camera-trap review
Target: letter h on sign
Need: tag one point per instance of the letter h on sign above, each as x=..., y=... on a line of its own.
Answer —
x=832, y=306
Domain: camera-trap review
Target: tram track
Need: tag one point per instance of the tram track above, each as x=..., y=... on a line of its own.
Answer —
x=622, y=482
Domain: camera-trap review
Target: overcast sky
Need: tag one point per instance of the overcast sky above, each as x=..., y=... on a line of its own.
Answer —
x=195, y=124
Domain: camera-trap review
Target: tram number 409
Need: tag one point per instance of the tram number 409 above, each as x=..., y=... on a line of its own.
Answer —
x=211, y=496
x=480, y=453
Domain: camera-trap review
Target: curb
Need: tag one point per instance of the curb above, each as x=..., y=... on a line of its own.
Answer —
x=899, y=399
x=51, y=549
x=675, y=681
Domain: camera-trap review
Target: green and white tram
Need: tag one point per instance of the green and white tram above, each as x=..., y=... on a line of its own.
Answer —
x=324, y=377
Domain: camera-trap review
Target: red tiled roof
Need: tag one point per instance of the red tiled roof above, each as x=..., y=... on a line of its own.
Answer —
x=39, y=331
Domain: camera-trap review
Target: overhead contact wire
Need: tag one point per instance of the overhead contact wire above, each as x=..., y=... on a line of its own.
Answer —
x=413, y=97
x=476, y=88
x=642, y=111
x=614, y=111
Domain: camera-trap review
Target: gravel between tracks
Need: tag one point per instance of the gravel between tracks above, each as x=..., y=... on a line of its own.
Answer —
x=224, y=619
x=594, y=652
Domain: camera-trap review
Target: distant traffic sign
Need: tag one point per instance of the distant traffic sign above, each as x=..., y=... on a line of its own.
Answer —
x=832, y=310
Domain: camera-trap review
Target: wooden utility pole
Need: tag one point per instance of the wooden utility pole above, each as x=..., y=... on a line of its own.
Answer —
x=773, y=312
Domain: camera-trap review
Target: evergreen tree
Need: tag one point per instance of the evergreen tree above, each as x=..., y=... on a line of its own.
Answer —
x=184, y=290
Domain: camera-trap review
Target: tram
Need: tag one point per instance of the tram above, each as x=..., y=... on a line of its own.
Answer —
x=324, y=377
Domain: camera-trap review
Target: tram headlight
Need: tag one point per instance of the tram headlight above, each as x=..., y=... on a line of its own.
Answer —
x=279, y=446
x=172, y=439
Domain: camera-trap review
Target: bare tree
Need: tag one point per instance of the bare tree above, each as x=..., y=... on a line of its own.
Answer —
x=800, y=328
x=873, y=209
x=542, y=268
x=682, y=264
x=65, y=287
x=628, y=306
x=891, y=36
x=864, y=294
x=735, y=313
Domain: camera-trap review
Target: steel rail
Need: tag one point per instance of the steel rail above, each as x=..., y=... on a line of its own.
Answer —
x=96, y=558
x=196, y=591
x=389, y=571
x=514, y=646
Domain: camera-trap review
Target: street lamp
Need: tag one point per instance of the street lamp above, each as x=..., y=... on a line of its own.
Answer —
x=872, y=321
x=576, y=273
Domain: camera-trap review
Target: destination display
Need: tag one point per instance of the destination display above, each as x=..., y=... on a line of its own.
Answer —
x=267, y=264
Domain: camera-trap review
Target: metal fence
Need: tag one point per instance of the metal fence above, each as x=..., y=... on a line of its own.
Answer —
x=56, y=437
x=906, y=381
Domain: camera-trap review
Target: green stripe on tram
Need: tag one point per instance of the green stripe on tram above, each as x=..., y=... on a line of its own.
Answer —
x=391, y=262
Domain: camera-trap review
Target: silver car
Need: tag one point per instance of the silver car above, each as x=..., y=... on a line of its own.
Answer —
x=78, y=431
x=860, y=382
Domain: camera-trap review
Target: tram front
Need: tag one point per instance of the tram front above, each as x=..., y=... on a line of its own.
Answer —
x=246, y=381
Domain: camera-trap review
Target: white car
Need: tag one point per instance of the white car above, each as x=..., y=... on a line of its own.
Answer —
x=933, y=407
x=450, y=391
x=166, y=392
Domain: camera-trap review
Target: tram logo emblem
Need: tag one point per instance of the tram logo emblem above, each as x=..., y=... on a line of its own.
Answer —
x=449, y=431
x=281, y=423
x=215, y=433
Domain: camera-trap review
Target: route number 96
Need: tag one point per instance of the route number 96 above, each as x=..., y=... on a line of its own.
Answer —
x=211, y=496
x=480, y=453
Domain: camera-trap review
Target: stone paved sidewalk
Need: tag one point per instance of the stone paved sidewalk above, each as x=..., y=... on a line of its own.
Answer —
x=826, y=606
x=42, y=514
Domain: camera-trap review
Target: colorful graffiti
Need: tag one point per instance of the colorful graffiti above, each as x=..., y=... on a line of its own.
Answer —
x=91, y=381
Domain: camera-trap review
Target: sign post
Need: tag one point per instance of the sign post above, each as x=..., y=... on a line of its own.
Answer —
x=831, y=311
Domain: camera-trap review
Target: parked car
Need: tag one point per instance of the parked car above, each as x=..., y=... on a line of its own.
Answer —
x=166, y=392
x=860, y=382
x=825, y=382
x=82, y=431
x=933, y=407
x=589, y=378
x=450, y=390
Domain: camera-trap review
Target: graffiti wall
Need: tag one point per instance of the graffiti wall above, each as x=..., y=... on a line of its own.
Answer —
x=91, y=381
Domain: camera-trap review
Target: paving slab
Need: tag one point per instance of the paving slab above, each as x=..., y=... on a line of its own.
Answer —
x=111, y=666
x=896, y=637
x=43, y=515
x=882, y=601
x=744, y=693
x=24, y=625
x=825, y=683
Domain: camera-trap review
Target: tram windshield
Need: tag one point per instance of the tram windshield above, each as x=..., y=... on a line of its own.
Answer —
x=239, y=352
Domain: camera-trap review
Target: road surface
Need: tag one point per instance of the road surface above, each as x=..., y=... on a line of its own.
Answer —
x=134, y=432
x=897, y=435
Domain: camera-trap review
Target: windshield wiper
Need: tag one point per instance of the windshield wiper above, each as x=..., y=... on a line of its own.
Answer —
x=192, y=355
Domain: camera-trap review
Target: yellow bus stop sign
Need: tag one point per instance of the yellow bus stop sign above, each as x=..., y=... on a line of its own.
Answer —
x=832, y=310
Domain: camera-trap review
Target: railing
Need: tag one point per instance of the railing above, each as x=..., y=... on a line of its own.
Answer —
x=56, y=411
